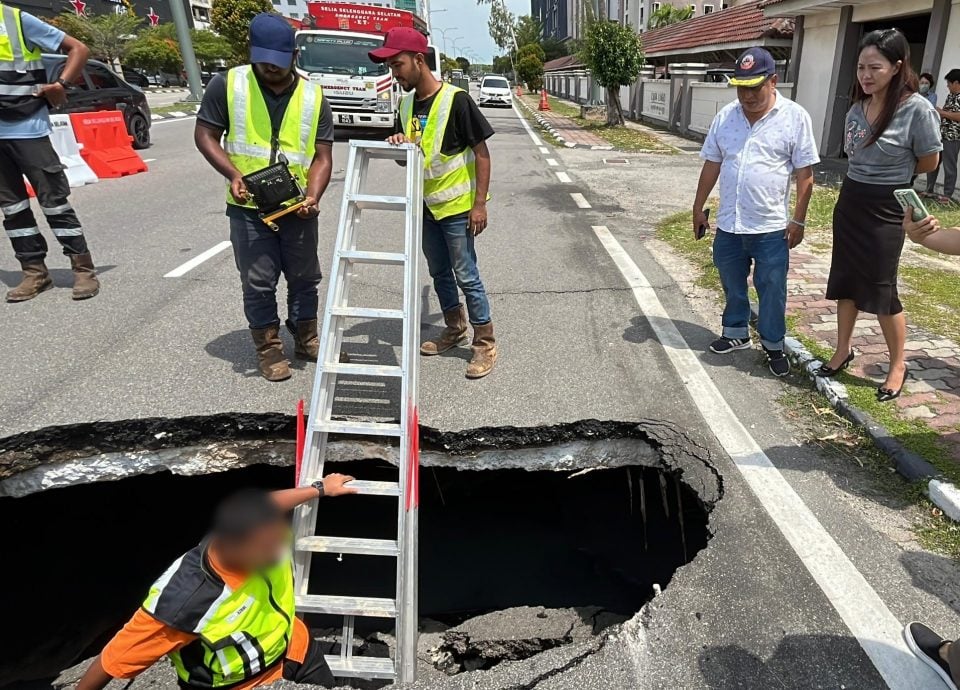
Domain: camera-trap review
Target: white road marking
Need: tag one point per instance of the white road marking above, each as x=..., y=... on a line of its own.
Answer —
x=552, y=162
x=580, y=200
x=173, y=119
x=197, y=260
x=149, y=160
x=526, y=126
x=861, y=608
x=564, y=177
x=544, y=149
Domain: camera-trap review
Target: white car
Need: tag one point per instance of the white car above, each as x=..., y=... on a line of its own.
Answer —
x=495, y=91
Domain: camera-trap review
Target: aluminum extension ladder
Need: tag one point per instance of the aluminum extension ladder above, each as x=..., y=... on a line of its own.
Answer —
x=403, y=608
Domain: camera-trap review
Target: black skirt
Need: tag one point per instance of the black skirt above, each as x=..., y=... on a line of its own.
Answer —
x=867, y=241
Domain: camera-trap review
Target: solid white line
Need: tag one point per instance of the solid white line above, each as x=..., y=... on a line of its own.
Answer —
x=580, y=200
x=544, y=149
x=861, y=608
x=564, y=177
x=526, y=126
x=552, y=162
x=149, y=160
x=197, y=260
x=173, y=119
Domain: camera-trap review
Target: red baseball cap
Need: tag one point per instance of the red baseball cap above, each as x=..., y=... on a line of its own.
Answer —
x=400, y=40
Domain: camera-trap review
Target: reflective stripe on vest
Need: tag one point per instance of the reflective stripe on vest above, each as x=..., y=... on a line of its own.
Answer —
x=242, y=632
x=449, y=182
x=13, y=57
x=247, y=141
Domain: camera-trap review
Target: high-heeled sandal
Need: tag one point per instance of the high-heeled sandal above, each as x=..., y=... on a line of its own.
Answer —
x=887, y=394
x=830, y=372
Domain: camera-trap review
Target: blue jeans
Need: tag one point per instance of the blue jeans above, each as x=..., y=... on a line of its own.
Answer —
x=262, y=255
x=452, y=260
x=770, y=256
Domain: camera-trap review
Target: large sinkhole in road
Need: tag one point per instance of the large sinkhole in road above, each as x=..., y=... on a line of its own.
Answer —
x=593, y=536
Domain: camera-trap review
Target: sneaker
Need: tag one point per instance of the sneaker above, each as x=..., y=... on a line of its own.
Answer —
x=724, y=345
x=926, y=644
x=778, y=362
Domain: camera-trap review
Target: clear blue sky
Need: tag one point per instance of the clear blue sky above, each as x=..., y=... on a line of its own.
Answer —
x=471, y=22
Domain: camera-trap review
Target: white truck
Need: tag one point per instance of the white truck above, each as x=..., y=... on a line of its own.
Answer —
x=332, y=51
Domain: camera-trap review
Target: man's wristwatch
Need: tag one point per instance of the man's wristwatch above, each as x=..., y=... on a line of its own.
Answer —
x=318, y=485
x=62, y=83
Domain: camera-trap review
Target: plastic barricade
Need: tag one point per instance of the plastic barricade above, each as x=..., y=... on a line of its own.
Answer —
x=65, y=144
x=105, y=144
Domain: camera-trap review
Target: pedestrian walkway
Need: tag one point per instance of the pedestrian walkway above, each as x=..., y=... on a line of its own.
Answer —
x=566, y=129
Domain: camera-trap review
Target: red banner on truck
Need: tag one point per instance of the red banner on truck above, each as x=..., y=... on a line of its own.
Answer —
x=347, y=16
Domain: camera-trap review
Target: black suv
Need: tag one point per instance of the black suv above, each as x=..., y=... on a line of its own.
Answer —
x=98, y=88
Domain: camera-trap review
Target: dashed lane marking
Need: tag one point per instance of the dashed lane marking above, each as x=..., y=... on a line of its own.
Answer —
x=197, y=260
x=149, y=160
x=552, y=162
x=544, y=149
x=861, y=608
x=580, y=200
x=564, y=177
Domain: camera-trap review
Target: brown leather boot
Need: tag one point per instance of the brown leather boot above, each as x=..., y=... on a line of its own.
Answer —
x=450, y=337
x=305, y=336
x=85, y=283
x=273, y=365
x=36, y=279
x=484, y=352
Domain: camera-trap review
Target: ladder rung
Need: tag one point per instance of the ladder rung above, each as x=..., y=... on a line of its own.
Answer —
x=361, y=667
x=364, y=428
x=368, y=488
x=370, y=607
x=354, y=545
x=382, y=370
x=387, y=258
x=367, y=313
x=378, y=202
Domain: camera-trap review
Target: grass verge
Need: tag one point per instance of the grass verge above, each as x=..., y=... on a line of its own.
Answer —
x=621, y=138
x=181, y=107
x=677, y=231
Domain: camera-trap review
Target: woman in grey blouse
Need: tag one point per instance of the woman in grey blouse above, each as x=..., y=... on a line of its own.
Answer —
x=892, y=134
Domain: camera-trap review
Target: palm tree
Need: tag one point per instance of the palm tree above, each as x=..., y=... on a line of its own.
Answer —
x=669, y=14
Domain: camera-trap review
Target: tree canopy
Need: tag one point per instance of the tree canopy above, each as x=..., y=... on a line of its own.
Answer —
x=231, y=19
x=107, y=35
x=615, y=57
x=669, y=14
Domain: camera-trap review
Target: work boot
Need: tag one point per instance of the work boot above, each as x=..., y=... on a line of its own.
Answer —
x=450, y=337
x=36, y=279
x=85, y=283
x=273, y=365
x=305, y=336
x=484, y=351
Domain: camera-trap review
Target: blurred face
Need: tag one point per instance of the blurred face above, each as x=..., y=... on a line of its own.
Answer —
x=925, y=85
x=261, y=549
x=953, y=86
x=758, y=100
x=273, y=75
x=407, y=69
x=874, y=71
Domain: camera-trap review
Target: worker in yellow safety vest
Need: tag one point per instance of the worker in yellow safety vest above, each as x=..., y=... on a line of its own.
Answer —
x=261, y=111
x=447, y=124
x=26, y=92
x=224, y=612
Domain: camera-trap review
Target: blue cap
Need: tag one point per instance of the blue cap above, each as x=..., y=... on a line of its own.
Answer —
x=272, y=40
x=753, y=68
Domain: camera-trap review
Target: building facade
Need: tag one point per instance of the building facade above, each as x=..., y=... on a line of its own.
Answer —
x=554, y=17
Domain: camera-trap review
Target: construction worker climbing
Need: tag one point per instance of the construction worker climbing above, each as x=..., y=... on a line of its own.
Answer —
x=224, y=612
x=449, y=127
x=26, y=151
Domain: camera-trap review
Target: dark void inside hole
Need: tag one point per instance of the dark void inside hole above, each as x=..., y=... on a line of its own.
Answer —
x=84, y=556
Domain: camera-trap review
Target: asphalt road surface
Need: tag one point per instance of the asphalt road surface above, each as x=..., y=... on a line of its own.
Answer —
x=809, y=576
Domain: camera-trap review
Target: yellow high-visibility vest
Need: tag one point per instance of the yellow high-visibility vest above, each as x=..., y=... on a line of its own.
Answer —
x=21, y=69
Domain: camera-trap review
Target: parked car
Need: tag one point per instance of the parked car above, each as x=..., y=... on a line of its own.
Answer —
x=135, y=77
x=718, y=76
x=98, y=88
x=207, y=75
x=495, y=91
x=165, y=79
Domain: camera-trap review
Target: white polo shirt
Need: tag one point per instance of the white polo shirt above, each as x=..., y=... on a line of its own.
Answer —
x=756, y=164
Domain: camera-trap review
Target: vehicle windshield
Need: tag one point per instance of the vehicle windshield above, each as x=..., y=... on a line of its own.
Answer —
x=495, y=84
x=338, y=55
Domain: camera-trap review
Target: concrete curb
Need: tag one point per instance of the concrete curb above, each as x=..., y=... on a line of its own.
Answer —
x=166, y=89
x=545, y=125
x=175, y=115
x=913, y=467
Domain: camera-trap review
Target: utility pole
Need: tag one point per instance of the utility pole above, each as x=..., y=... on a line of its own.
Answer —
x=595, y=87
x=186, y=51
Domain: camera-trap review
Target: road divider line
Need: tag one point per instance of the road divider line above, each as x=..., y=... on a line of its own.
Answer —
x=866, y=615
x=544, y=149
x=564, y=177
x=580, y=200
x=172, y=119
x=149, y=160
x=197, y=260
x=526, y=126
x=552, y=162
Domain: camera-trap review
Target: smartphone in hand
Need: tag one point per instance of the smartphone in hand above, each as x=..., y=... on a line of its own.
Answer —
x=702, y=230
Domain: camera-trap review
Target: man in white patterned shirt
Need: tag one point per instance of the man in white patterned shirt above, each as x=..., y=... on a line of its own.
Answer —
x=754, y=146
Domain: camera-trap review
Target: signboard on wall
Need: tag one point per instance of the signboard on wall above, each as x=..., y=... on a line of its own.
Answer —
x=656, y=99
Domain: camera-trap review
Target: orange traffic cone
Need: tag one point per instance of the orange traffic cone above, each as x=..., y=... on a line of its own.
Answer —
x=519, y=92
x=544, y=103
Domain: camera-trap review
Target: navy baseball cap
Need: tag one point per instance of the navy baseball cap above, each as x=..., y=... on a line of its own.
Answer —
x=753, y=68
x=272, y=40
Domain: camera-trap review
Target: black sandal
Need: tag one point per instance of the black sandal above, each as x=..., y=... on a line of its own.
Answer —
x=829, y=372
x=887, y=394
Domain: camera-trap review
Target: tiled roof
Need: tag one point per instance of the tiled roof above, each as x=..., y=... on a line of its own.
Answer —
x=565, y=62
x=739, y=24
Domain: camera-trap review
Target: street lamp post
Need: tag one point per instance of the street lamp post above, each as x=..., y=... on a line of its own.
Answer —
x=190, y=64
x=443, y=34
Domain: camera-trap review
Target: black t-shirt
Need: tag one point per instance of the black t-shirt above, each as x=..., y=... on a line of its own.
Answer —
x=466, y=127
x=215, y=113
